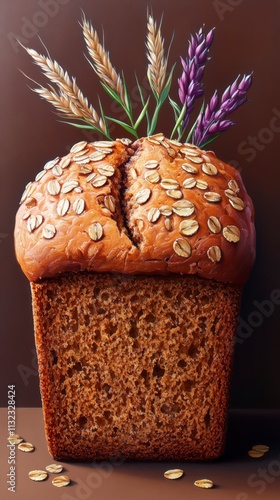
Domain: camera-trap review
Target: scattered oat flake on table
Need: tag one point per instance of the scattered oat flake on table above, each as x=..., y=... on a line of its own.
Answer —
x=11, y=436
x=15, y=439
x=204, y=483
x=261, y=447
x=61, y=481
x=27, y=447
x=173, y=473
x=255, y=454
x=54, y=468
x=37, y=475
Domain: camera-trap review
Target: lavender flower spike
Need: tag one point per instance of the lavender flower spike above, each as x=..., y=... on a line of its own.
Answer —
x=190, y=86
x=211, y=121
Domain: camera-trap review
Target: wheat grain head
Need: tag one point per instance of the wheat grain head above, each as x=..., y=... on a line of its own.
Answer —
x=101, y=61
x=156, y=57
x=69, y=99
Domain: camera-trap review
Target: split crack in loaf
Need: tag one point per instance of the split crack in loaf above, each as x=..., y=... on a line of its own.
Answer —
x=137, y=251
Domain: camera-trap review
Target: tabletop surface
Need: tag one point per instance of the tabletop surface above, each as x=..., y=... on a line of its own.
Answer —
x=236, y=476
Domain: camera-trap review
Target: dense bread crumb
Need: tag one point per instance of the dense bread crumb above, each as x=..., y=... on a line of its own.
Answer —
x=136, y=367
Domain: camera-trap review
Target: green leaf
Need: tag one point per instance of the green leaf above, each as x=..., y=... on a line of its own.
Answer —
x=175, y=106
x=87, y=127
x=210, y=140
x=151, y=85
x=167, y=86
x=142, y=114
x=140, y=91
x=112, y=93
x=143, y=102
x=189, y=138
x=127, y=127
x=154, y=120
x=160, y=102
x=177, y=111
x=127, y=100
x=103, y=116
x=179, y=121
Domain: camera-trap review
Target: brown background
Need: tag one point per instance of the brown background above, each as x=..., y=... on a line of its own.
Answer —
x=247, y=38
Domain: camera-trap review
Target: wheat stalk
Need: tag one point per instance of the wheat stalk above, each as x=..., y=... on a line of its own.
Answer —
x=69, y=100
x=60, y=101
x=156, y=58
x=66, y=97
x=101, y=59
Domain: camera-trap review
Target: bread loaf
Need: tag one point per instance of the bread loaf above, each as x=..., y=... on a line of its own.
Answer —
x=136, y=254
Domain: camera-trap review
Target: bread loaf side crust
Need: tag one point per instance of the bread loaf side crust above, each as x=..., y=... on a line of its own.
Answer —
x=137, y=367
x=152, y=207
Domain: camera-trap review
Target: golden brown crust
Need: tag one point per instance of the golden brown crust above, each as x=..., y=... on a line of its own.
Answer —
x=154, y=207
x=206, y=205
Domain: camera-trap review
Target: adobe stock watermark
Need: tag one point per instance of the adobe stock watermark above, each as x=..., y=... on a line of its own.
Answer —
x=223, y=7
x=26, y=372
x=30, y=26
x=256, y=318
x=94, y=480
x=265, y=135
x=260, y=479
x=258, y=142
x=11, y=408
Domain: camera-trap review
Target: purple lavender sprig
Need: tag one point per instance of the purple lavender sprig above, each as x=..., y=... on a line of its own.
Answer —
x=190, y=86
x=212, y=121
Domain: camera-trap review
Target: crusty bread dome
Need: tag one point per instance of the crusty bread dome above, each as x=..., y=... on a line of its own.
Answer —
x=152, y=207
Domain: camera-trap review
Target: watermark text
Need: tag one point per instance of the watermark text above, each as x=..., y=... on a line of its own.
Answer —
x=11, y=475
